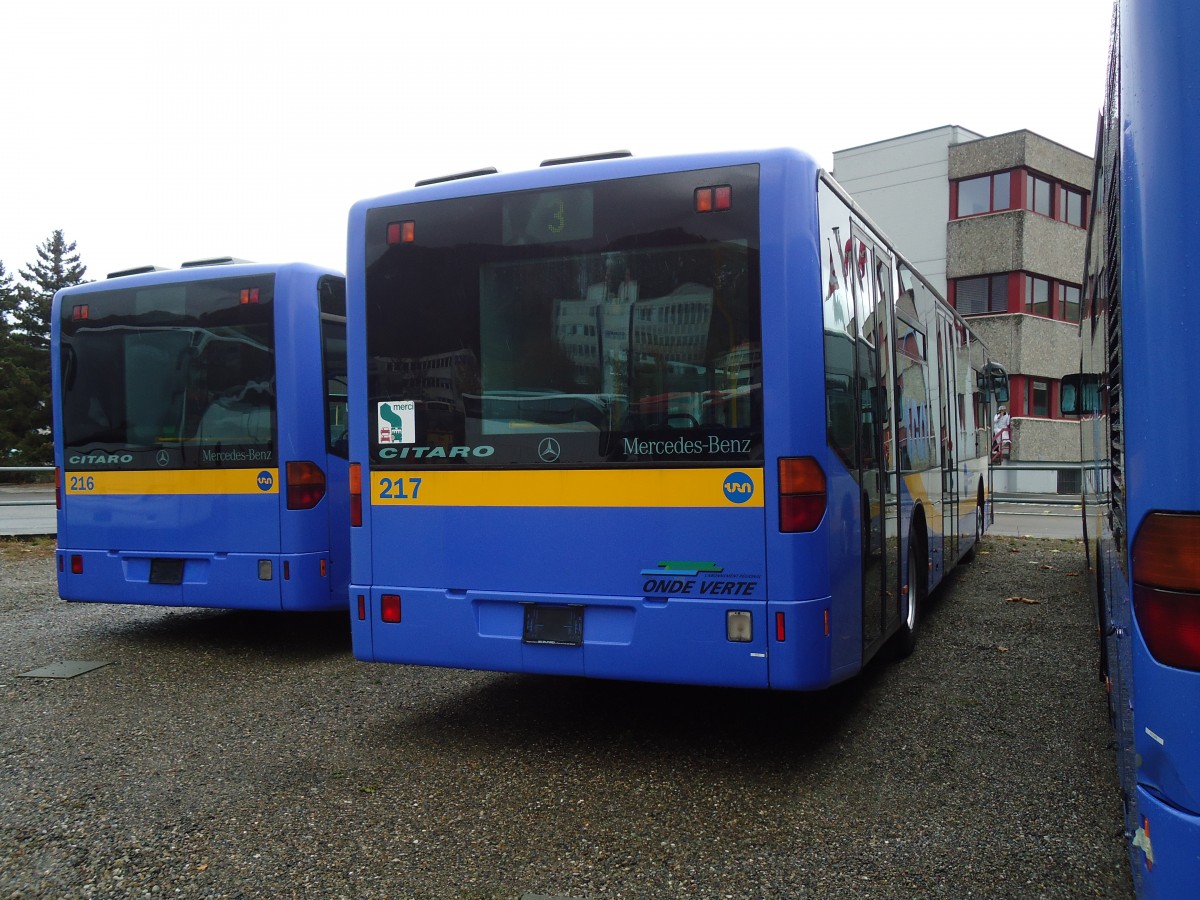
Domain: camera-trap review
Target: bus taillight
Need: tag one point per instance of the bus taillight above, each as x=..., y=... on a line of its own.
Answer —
x=389, y=608
x=356, y=495
x=57, y=488
x=1166, y=587
x=801, y=494
x=305, y=485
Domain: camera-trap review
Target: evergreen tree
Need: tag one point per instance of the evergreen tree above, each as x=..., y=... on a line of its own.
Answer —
x=8, y=367
x=57, y=267
x=25, y=412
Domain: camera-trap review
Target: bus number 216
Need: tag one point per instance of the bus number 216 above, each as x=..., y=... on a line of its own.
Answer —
x=81, y=483
x=394, y=488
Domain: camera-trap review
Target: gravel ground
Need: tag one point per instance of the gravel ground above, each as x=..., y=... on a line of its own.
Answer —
x=245, y=755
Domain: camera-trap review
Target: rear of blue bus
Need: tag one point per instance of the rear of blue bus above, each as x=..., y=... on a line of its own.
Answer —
x=559, y=425
x=1147, y=523
x=186, y=475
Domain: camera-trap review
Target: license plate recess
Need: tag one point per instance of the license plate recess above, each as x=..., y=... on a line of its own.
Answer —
x=166, y=571
x=560, y=626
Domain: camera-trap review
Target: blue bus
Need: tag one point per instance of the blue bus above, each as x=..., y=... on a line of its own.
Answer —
x=688, y=419
x=200, y=437
x=1139, y=441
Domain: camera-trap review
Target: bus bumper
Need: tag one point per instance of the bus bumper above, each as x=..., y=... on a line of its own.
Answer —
x=800, y=648
x=1165, y=848
x=681, y=640
x=266, y=581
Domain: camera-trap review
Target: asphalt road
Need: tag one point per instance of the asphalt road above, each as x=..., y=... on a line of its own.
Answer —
x=221, y=754
x=27, y=509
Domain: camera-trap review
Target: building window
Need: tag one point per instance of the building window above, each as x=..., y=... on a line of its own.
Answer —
x=988, y=193
x=1069, y=208
x=1038, y=194
x=1038, y=400
x=988, y=293
x=1037, y=295
x=1067, y=297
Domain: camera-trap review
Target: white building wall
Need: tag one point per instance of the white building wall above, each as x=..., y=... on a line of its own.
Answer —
x=904, y=185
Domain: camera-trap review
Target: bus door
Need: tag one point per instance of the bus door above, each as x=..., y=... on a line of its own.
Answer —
x=948, y=416
x=337, y=453
x=872, y=297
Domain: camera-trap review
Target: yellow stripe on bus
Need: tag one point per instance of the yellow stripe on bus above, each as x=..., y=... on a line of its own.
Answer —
x=695, y=488
x=191, y=481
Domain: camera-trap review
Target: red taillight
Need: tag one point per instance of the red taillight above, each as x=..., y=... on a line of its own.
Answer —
x=713, y=197
x=362, y=608
x=1170, y=625
x=356, y=495
x=76, y=564
x=780, y=630
x=1165, y=561
x=801, y=494
x=57, y=488
x=401, y=232
x=389, y=607
x=305, y=485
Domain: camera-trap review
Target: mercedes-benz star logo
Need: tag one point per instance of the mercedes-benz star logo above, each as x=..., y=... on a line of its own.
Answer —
x=163, y=457
x=548, y=450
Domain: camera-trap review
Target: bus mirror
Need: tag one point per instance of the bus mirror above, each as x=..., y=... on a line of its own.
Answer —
x=997, y=379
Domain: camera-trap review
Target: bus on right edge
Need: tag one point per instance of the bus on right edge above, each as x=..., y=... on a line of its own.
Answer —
x=1140, y=437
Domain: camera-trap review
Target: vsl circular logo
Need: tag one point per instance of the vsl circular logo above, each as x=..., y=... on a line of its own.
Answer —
x=265, y=481
x=738, y=487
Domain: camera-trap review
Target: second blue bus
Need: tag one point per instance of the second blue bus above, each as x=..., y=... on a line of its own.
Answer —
x=1139, y=439
x=199, y=438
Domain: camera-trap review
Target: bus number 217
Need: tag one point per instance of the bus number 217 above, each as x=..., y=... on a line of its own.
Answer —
x=394, y=488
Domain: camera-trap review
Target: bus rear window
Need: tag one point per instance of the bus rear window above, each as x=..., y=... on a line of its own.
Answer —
x=170, y=375
x=606, y=324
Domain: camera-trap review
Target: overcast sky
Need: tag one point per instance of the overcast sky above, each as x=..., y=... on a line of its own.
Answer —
x=155, y=132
